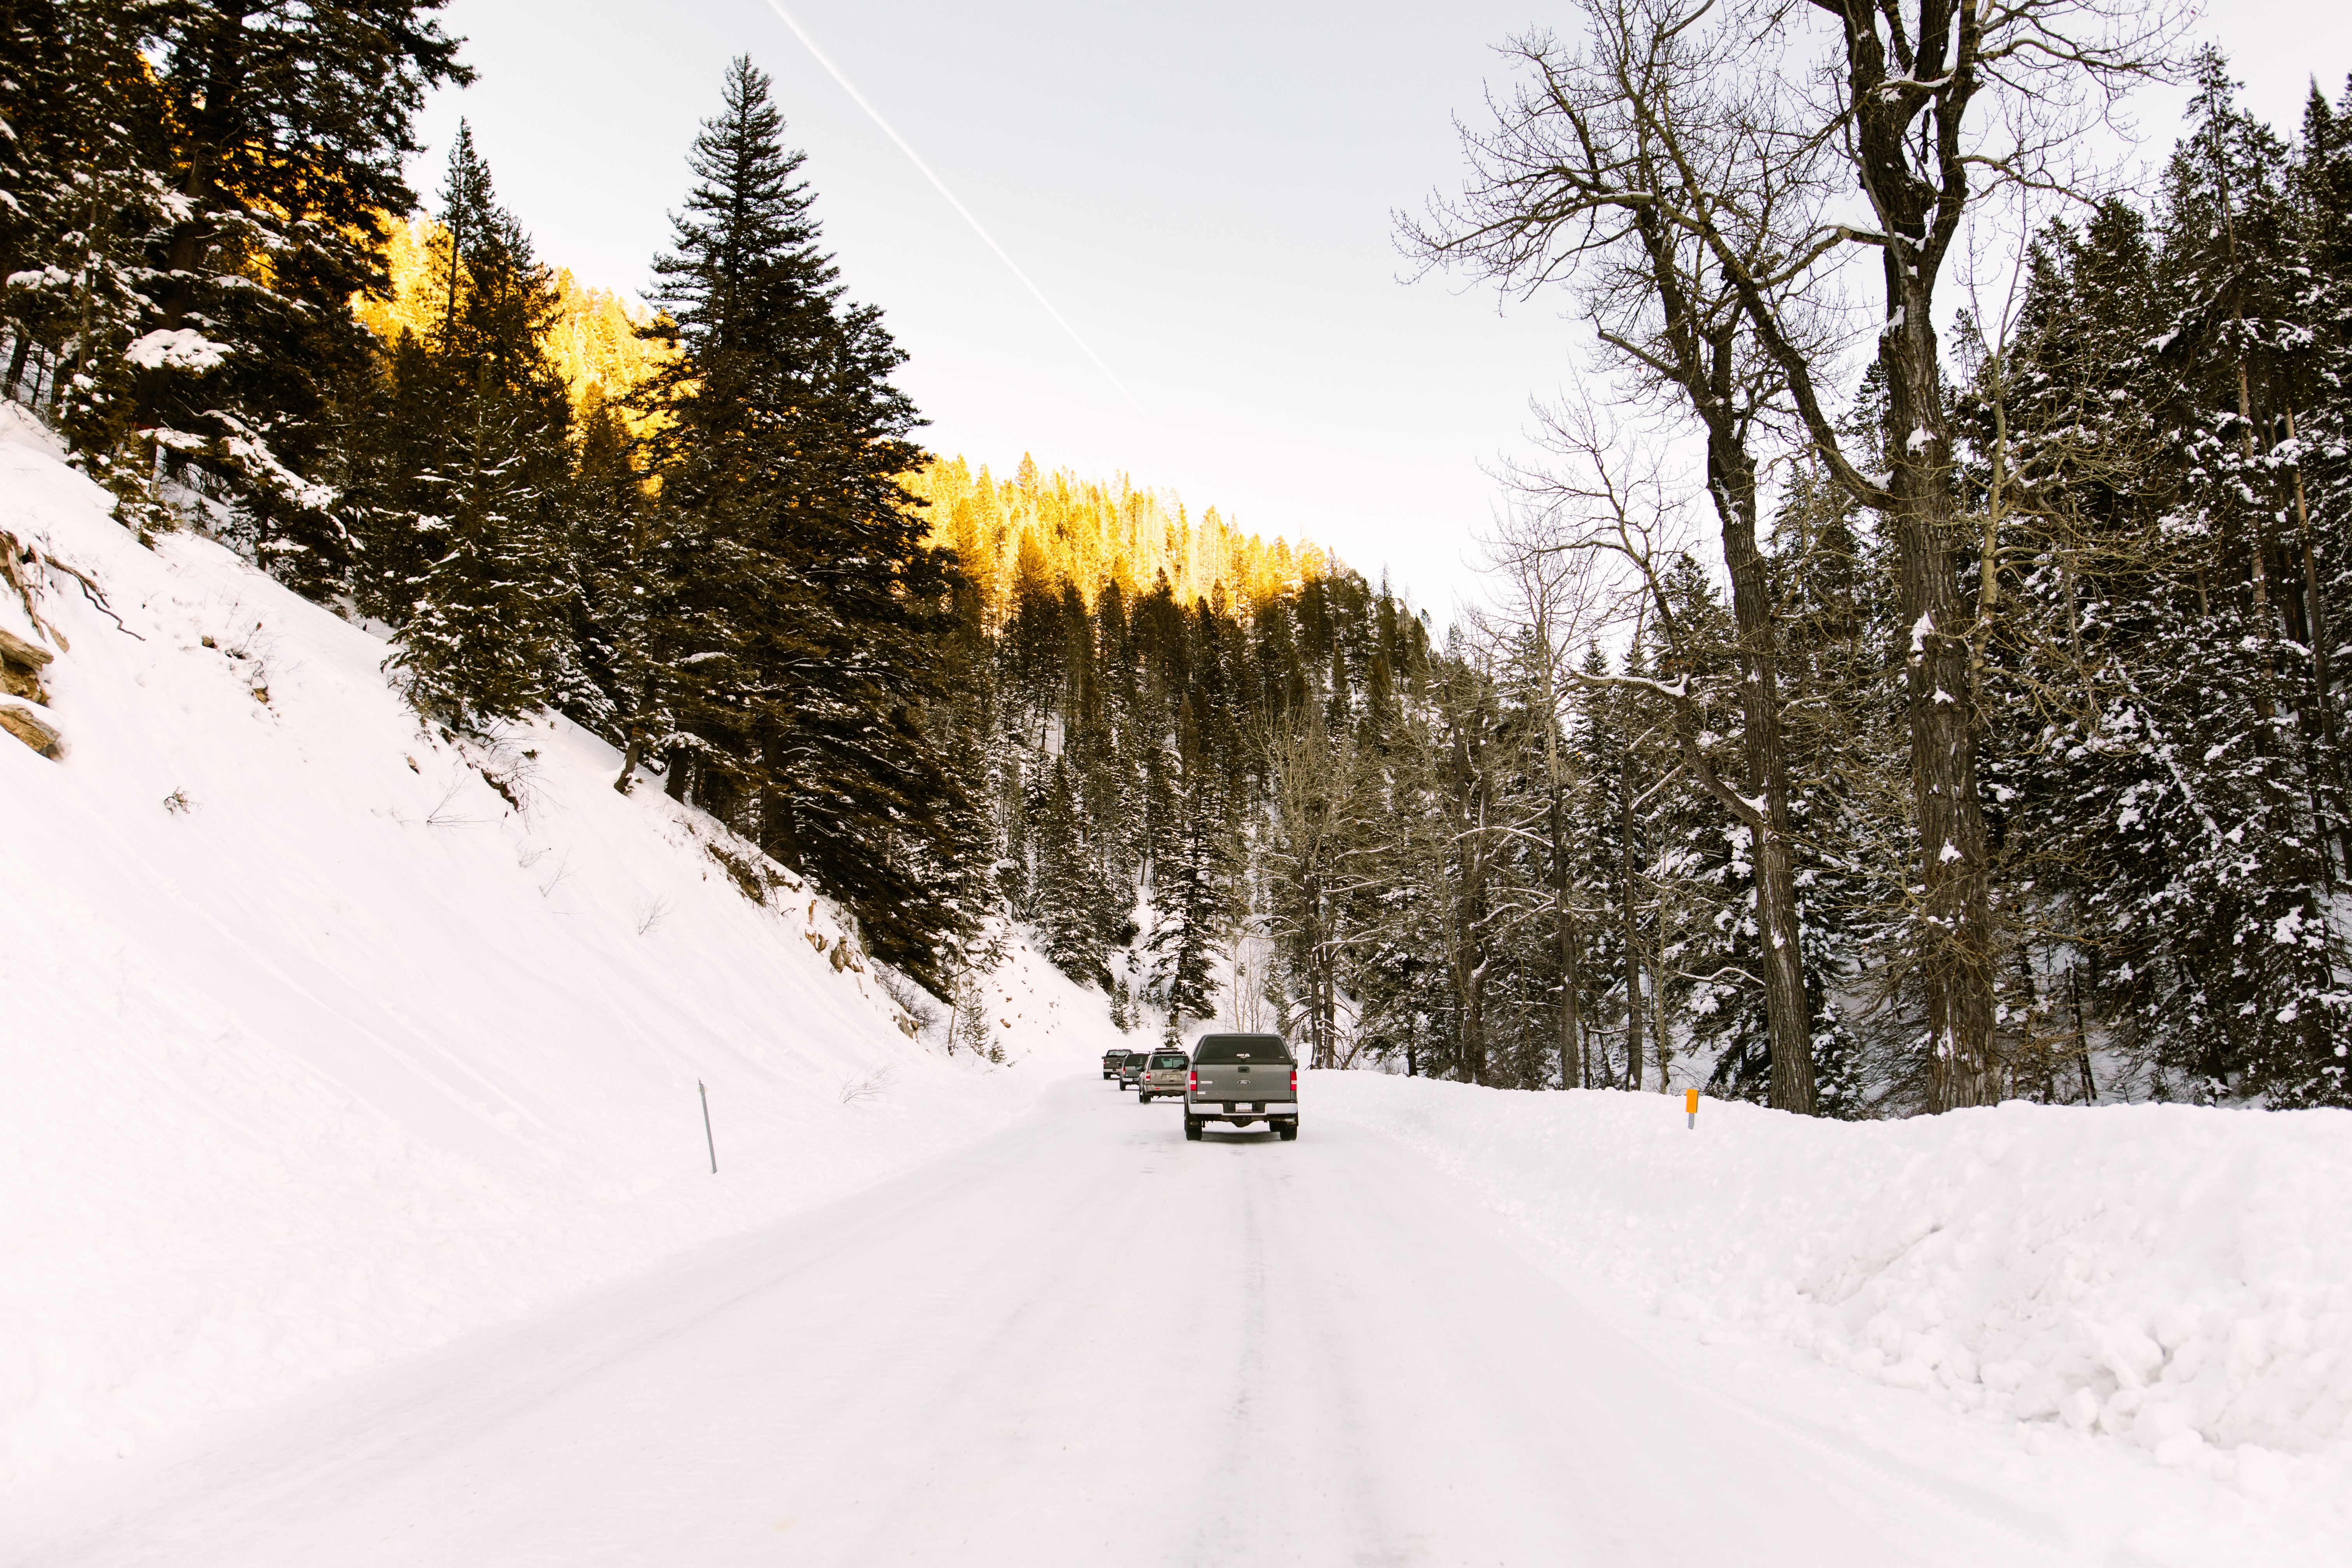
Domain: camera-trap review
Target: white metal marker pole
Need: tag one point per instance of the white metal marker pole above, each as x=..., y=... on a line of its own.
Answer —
x=1690, y=1104
x=707, y=1138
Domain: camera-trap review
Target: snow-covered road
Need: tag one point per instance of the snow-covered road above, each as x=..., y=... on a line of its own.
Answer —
x=1082, y=1340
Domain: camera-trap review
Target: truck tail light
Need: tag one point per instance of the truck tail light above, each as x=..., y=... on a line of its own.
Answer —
x=1193, y=1082
x=1294, y=1080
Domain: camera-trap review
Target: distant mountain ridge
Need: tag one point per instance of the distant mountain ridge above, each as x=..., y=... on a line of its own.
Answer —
x=1053, y=525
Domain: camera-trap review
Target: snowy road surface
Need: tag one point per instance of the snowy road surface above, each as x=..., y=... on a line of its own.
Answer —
x=1084, y=1340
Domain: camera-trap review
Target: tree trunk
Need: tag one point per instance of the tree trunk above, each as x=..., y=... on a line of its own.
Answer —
x=1327, y=996
x=1732, y=474
x=2082, y=1038
x=1955, y=916
x=1574, y=1072
x=211, y=123
x=2326, y=784
x=1909, y=158
x=1633, y=1004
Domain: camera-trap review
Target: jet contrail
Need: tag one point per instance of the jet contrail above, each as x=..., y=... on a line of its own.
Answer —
x=913, y=157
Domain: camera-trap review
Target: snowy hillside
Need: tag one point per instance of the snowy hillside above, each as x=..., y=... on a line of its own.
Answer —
x=326, y=1039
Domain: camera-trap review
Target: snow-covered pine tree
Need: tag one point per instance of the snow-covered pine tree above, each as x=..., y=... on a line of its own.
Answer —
x=1313, y=844
x=1396, y=969
x=278, y=131
x=492, y=602
x=1191, y=887
x=80, y=201
x=2060, y=451
x=613, y=685
x=1476, y=825
x=1847, y=783
x=2267, y=1013
x=1598, y=817
x=1069, y=894
x=2322, y=437
x=800, y=610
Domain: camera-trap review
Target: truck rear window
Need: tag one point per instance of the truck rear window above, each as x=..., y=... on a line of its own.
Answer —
x=1225, y=1050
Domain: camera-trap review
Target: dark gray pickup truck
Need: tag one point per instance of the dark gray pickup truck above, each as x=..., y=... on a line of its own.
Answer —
x=1241, y=1079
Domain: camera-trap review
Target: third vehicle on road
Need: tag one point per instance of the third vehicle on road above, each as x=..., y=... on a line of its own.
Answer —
x=1164, y=1073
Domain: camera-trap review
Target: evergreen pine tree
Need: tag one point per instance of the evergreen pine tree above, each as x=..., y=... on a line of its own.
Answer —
x=279, y=134
x=799, y=610
x=488, y=626
x=81, y=199
x=607, y=520
x=1190, y=891
x=2265, y=1014
x=1068, y=894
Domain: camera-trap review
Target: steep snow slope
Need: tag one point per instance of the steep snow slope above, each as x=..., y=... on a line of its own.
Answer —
x=2174, y=1278
x=324, y=1040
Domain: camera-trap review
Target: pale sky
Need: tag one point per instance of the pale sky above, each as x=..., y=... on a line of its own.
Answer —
x=1202, y=190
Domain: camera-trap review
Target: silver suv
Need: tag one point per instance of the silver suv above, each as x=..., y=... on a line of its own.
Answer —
x=1240, y=1079
x=1164, y=1073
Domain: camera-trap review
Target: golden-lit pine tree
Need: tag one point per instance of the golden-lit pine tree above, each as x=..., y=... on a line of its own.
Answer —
x=1057, y=529
x=591, y=336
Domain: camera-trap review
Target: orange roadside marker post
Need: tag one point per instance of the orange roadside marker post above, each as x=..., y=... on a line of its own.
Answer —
x=1690, y=1104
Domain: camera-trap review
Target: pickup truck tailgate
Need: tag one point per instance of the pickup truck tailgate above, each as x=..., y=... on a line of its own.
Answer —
x=1236, y=1083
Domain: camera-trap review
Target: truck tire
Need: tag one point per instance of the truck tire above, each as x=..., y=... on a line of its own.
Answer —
x=1192, y=1128
x=1289, y=1131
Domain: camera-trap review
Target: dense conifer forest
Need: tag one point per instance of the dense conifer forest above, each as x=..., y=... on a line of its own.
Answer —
x=1224, y=778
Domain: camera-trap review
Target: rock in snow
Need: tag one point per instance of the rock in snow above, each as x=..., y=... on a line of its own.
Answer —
x=30, y=728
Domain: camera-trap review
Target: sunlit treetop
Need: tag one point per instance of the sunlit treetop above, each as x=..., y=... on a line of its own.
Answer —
x=1053, y=530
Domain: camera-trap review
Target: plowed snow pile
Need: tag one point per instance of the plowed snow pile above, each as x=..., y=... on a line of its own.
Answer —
x=2177, y=1277
x=324, y=1040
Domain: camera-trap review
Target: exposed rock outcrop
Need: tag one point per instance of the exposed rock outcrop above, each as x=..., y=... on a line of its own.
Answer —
x=21, y=664
x=20, y=721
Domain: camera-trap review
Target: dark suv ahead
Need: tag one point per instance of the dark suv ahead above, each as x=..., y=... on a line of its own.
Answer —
x=1131, y=1069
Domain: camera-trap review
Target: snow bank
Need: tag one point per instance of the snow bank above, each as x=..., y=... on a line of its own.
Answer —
x=325, y=1041
x=2176, y=1277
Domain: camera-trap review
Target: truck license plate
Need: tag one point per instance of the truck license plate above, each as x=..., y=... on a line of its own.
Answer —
x=1250, y=1106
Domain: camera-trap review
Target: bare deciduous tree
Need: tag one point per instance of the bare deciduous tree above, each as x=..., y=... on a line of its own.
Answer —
x=1568, y=186
x=1548, y=612
x=1687, y=166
